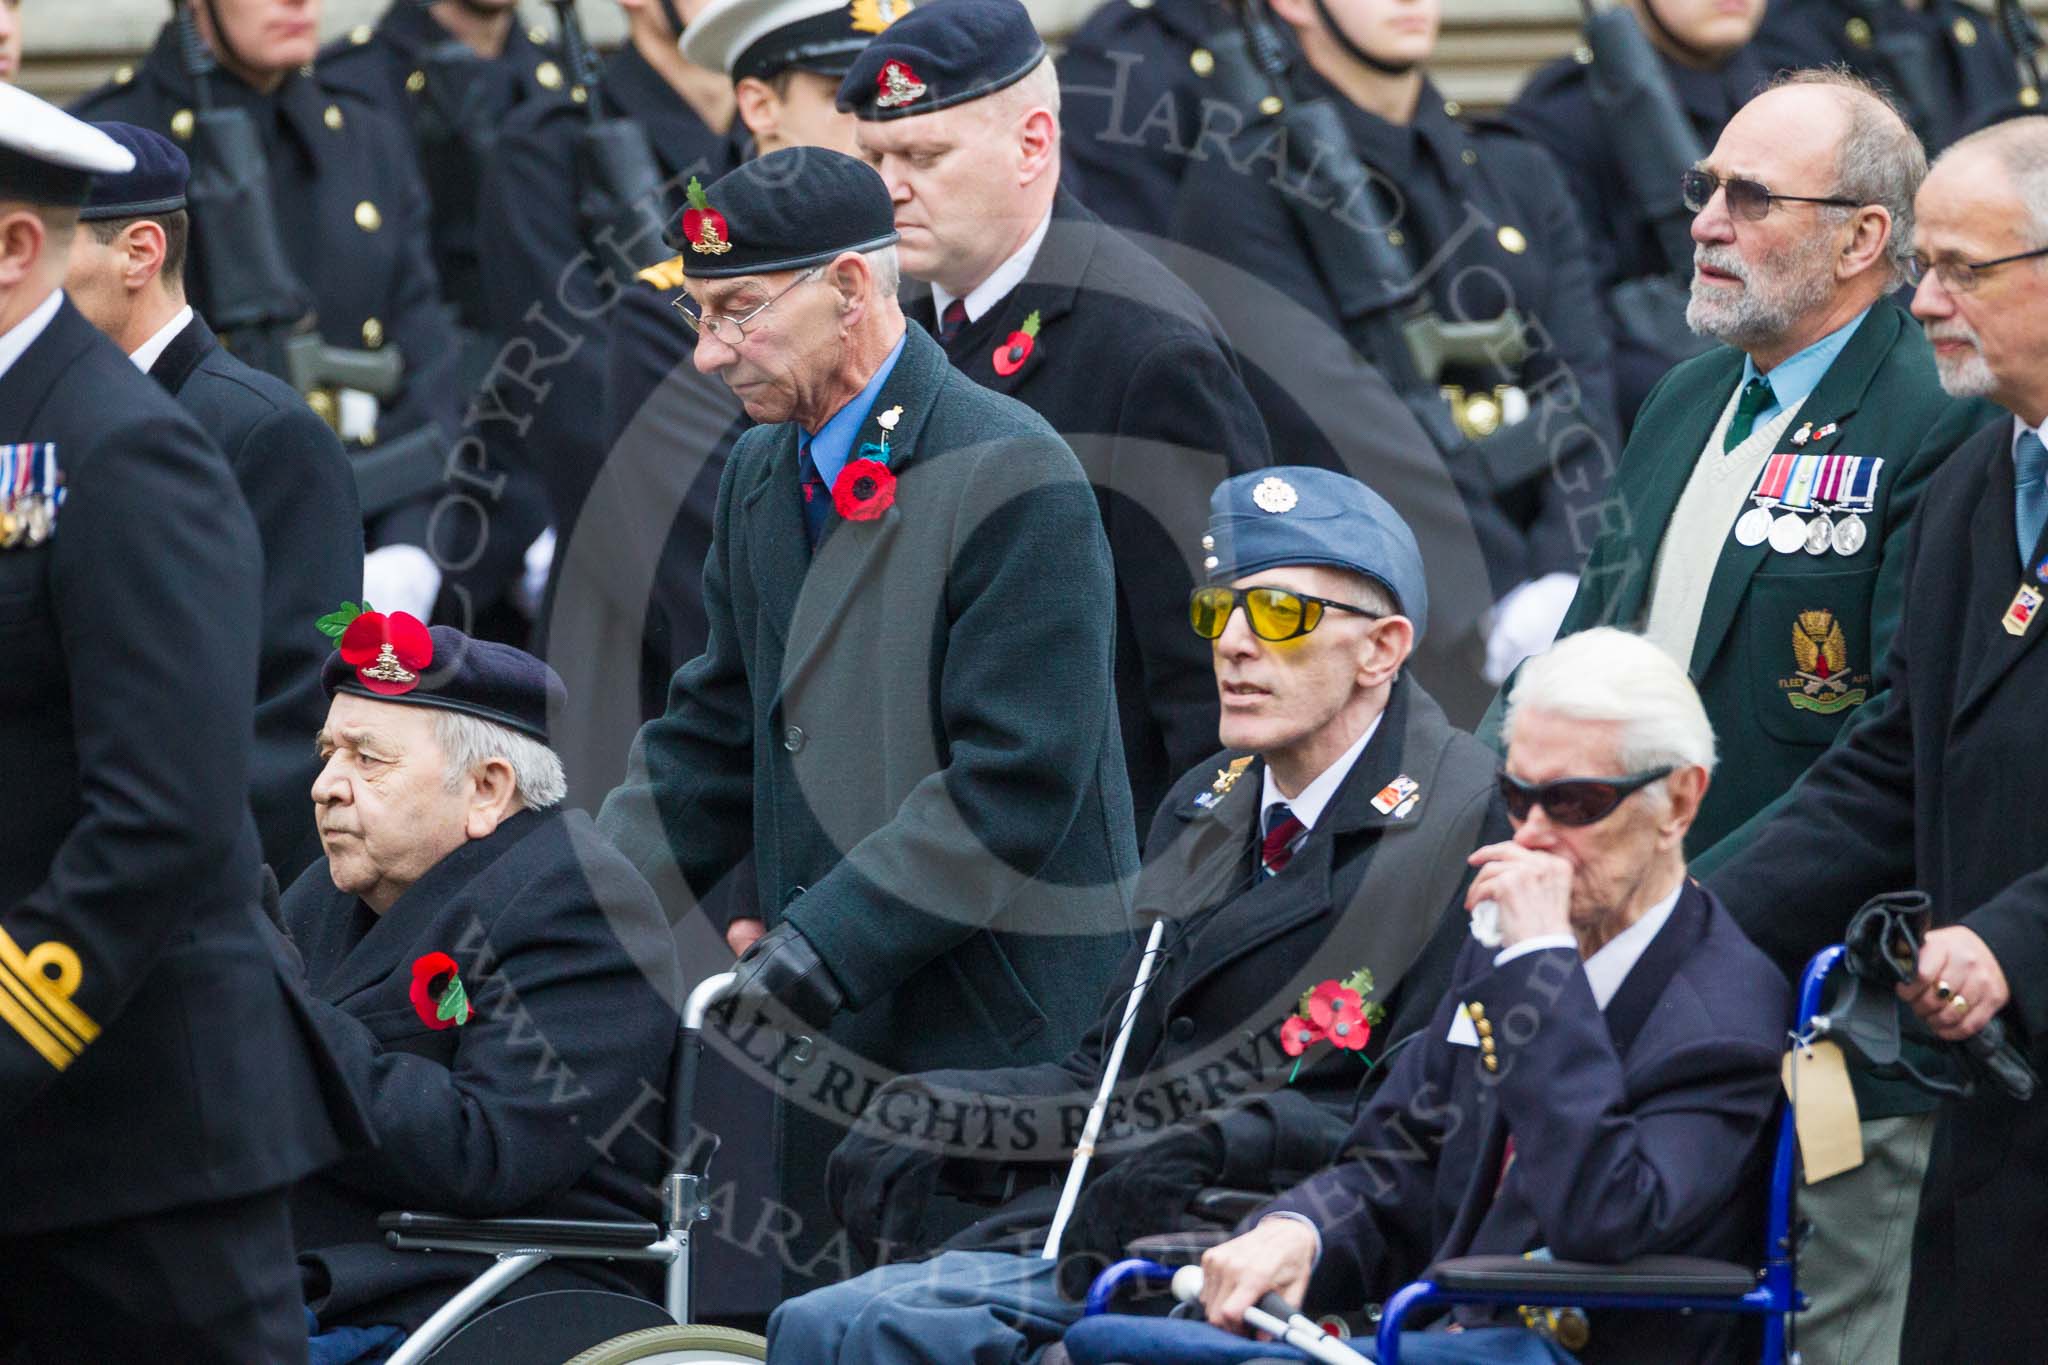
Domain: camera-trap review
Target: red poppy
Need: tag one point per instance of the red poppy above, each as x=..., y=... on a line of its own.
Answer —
x=387, y=652
x=864, y=490
x=437, y=992
x=1298, y=1035
x=703, y=226
x=1330, y=999
x=1017, y=347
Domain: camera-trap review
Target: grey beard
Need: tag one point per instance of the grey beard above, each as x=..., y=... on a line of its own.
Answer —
x=1777, y=294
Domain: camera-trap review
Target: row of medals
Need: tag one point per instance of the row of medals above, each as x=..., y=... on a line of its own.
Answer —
x=27, y=519
x=1790, y=533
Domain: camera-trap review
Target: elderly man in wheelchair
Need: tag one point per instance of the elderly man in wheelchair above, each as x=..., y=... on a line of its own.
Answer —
x=1595, y=1086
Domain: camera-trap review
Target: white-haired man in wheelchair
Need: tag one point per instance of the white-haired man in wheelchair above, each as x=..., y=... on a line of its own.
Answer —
x=1595, y=1086
x=487, y=974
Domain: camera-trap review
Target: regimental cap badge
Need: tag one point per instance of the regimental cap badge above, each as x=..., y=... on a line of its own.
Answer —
x=872, y=16
x=387, y=652
x=1275, y=494
x=898, y=84
x=703, y=226
x=1226, y=778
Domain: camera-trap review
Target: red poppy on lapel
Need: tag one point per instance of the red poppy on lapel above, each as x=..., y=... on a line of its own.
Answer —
x=1017, y=347
x=864, y=490
x=437, y=993
x=387, y=652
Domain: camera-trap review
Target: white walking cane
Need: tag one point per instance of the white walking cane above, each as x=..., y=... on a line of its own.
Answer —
x=1085, y=1149
x=1278, y=1319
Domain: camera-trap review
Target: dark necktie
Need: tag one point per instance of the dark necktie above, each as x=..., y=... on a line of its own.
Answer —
x=1756, y=396
x=952, y=320
x=817, y=497
x=1282, y=830
x=2030, y=499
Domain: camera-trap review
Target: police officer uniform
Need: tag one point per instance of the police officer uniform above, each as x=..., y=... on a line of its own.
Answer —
x=1942, y=60
x=565, y=965
x=295, y=477
x=910, y=725
x=1557, y=109
x=160, y=1086
x=352, y=224
x=1120, y=357
x=454, y=102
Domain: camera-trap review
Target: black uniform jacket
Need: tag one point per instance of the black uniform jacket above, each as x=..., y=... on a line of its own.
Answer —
x=1367, y=888
x=1557, y=109
x=293, y=474
x=536, y=1106
x=146, y=1026
x=1942, y=790
x=455, y=103
x=353, y=222
x=1128, y=369
x=1638, y=1130
x=1485, y=217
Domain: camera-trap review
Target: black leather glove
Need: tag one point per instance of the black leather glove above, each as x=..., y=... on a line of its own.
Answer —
x=880, y=1176
x=1146, y=1192
x=782, y=965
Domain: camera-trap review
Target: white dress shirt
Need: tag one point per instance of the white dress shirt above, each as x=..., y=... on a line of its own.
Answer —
x=149, y=352
x=1001, y=280
x=1308, y=806
x=23, y=334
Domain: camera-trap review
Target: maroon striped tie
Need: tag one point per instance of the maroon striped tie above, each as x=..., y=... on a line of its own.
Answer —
x=1281, y=832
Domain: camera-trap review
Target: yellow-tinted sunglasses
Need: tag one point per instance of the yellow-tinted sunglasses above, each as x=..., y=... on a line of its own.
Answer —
x=1272, y=613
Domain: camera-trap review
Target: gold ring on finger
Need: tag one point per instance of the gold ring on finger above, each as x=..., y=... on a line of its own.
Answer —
x=1959, y=1005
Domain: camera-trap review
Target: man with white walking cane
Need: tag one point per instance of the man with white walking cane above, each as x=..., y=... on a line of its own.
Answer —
x=1304, y=890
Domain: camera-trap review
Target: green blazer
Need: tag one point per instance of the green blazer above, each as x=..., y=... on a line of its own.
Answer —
x=1882, y=397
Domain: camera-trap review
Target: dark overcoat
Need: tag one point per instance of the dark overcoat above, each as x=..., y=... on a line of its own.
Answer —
x=1940, y=790
x=912, y=729
x=147, y=1023
x=544, y=1104
x=1128, y=368
x=295, y=478
x=1639, y=1130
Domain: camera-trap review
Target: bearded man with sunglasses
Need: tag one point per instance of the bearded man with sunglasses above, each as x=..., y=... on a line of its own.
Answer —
x=1330, y=834
x=1597, y=1083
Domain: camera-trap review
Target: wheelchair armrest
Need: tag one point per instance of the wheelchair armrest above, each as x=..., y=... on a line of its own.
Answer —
x=1227, y=1206
x=1646, y=1276
x=520, y=1232
x=1175, y=1249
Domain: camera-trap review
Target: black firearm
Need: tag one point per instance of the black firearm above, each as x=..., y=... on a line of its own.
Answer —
x=2025, y=41
x=621, y=207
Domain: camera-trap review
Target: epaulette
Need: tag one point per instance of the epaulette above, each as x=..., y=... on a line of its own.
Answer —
x=663, y=275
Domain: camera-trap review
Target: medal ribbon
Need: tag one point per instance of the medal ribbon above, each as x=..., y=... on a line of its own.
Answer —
x=50, y=482
x=1798, y=493
x=1860, y=488
x=1777, y=470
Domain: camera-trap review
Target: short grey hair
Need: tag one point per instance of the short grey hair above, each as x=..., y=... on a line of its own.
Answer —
x=468, y=742
x=2021, y=148
x=1880, y=160
x=882, y=264
x=1609, y=676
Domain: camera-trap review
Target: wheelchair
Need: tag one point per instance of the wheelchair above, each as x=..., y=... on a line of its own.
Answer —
x=585, y=1327
x=1674, y=1283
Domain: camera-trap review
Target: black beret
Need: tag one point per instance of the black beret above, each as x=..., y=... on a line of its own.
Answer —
x=394, y=658
x=792, y=208
x=941, y=54
x=156, y=185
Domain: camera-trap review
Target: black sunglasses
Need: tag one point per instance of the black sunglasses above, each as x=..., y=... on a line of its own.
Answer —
x=1746, y=198
x=1273, y=613
x=1575, y=800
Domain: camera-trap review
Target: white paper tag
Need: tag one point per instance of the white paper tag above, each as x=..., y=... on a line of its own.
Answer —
x=359, y=413
x=1462, y=1033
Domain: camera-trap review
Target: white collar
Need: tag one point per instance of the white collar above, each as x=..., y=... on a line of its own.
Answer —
x=2020, y=428
x=149, y=352
x=22, y=335
x=1001, y=280
x=1610, y=966
x=1308, y=807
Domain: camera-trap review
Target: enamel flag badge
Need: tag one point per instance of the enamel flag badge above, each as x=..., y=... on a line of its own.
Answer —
x=1398, y=797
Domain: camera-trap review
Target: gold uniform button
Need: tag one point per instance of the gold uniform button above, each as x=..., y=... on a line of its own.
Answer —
x=1858, y=30
x=416, y=82
x=373, y=333
x=1469, y=157
x=1492, y=1063
x=123, y=74
x=1511, y=239
x=1965, y=31
x=1476, y=1010
x=360, y=34
x=367, y=217
x=181, y=125
x=321, y=401
x=1271, y=104
x=1202, y=61
x=331, y=116
x=1485, y=1027
x=1141, y=4
x=537, y=35
x=1583, y=55
x=578, y=95
x=549, y=75
x=1452, y=108
x=2029, y=97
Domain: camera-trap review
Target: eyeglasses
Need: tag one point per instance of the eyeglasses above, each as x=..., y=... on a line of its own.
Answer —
x=1272, y=613
x=1960, y=277
x=1575, y=801
x=1747, y=199
x=732, y=331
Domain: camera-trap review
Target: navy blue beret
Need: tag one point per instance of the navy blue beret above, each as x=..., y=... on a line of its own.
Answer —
x=1295, y=514
x=942, y=53
x=478, y=678
x=156, y=185
x=792, y=208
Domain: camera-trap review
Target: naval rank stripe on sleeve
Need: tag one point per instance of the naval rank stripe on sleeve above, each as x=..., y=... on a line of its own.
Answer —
x=36, y=1003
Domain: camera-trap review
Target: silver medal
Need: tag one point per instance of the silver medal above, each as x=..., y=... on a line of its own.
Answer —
x=1753, y=527
x=1819, y=535
x=1788, y=534
x=1850, y=533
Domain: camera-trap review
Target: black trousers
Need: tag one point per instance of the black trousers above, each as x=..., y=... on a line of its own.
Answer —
x=198, y=1285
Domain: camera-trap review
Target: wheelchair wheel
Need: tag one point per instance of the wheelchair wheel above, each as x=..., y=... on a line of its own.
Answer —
x=677, y=1346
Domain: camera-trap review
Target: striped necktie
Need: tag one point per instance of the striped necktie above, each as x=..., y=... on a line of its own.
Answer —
x=2030, y=493
x=817, y=497
x=1283, y=832
x=952, y=320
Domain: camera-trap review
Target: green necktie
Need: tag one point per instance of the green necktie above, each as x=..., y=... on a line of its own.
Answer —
x=1756, y=396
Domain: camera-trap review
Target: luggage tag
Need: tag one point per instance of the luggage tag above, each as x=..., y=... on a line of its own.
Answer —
x=1816, y=1080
